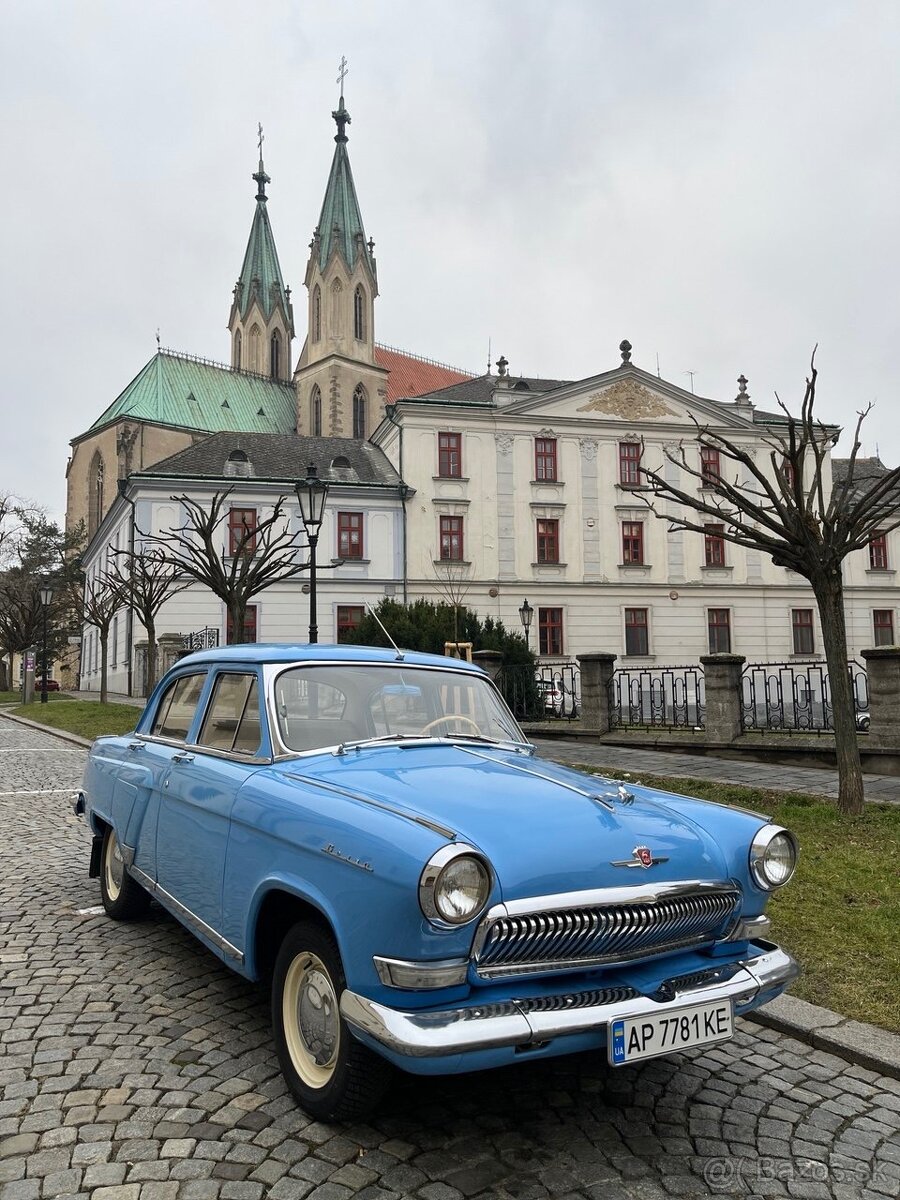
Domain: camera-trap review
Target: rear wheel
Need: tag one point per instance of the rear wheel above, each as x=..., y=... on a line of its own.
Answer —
x=123, y=898
x=333, y=1076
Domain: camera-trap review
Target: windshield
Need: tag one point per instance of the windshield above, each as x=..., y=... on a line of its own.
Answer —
x=319, y=706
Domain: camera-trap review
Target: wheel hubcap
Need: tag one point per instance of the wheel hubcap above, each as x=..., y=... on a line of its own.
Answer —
x=115, y=867
x=312, y=1022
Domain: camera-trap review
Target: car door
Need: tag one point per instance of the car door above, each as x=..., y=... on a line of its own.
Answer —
x=198, y=795
x=150, y=760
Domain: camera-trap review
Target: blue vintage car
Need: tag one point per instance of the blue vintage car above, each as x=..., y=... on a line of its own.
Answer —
x=370, y=830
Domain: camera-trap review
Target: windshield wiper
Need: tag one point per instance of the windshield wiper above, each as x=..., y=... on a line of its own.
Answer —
x=521, y=747
x=384, y=737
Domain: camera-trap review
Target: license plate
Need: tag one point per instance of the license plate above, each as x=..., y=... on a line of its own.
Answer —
x=673, y=1029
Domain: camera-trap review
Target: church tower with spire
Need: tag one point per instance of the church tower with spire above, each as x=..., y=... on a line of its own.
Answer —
x=261, y=322
x=341, y=390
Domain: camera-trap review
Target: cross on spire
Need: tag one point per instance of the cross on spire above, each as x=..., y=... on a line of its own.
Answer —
x=261, y=177
x=341, y=116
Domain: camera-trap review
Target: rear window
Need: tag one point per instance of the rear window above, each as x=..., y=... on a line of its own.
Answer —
x=232, y=716
x=178, y=706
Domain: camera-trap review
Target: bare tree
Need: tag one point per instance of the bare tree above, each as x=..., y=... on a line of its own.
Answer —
x=453, y=584
x=781, y=504
x=264, y=554
x=103, y=597
x=148, y=580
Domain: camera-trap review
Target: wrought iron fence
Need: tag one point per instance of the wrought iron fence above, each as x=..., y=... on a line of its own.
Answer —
x=542, y=693
x=662, y=697
x=795, y=697
x=203, y=639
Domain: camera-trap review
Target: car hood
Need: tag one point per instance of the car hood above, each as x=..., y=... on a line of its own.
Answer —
x=531, y=818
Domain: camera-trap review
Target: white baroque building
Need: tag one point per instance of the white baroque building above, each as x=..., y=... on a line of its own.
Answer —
x=485, y=489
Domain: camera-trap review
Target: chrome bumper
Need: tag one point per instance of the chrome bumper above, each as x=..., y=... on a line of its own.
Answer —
x=519, y=1023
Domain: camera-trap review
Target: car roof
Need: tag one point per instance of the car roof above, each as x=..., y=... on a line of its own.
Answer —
x=282, y=652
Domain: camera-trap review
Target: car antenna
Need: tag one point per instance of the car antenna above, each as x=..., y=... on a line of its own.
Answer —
x=373, y=613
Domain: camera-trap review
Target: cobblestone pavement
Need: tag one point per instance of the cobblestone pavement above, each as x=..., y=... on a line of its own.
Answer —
x=816, y=781
x=133, y=1066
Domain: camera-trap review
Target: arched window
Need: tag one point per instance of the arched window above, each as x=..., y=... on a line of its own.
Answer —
x=315, y=412
x=95, y=492
x=254, y=349
x=236, y=356
x=337, y=296
x=359, y=411
x=359, y=314
x=275, y=355
x=316, y=321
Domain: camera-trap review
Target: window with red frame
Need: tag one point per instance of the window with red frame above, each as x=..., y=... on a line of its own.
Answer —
x=633, y=542
x=548, y=541
x=545, y=459
x=451, y=539
x=241, y=531
x=348, y=617
x=637, y=631
x=878, y=555
x=350, y=535
x=710, y=464
x=249, y=626
x=550, y=630
x=883, y=625
x=789, y=473
x=714, y=545
x=629, y=463
x=450, y=455
x=803, y=630
x=719, y=626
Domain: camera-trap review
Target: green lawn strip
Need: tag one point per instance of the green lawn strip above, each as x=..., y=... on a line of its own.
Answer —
x=16, y=696
x=840, y=915
x=87, y=718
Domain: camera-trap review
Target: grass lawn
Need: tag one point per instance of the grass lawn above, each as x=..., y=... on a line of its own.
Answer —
x=16, y=696
x=840, y=914
x=85, y=717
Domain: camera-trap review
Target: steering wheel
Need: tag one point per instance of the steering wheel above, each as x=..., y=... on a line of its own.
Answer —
x=448, y=718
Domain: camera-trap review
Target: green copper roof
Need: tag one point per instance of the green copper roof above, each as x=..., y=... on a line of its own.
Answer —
x=261, y=272
x=341, y=220
x=194, y=393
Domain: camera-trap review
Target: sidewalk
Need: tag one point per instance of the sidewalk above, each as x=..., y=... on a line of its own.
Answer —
x=815, y=781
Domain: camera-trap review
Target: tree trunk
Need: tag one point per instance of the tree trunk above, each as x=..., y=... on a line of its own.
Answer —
x=237, y=610
x=150, y=681
x=829, y=593
x=104, y=656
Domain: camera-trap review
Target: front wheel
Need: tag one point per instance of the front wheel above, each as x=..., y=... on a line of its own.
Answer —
x=123, y=898
x=334, y=1077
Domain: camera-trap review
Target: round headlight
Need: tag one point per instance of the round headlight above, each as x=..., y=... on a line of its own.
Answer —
x=773, y=857
x=455, y=886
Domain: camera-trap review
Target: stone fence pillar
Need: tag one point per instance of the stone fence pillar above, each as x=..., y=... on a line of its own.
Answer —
x=490, y=661
x=722, y=673
x=596, y=674
x=883, y=668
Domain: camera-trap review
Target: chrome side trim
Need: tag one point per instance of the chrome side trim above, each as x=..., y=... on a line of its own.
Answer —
x=185, y=913
x=521, y=1022
x=312, y=781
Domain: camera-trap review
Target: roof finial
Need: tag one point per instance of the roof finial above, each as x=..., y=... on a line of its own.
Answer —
x=625, y=350
x=743, y=394
x=261, y=177
x=341, y=116
x=157, y=337
x=502, y=364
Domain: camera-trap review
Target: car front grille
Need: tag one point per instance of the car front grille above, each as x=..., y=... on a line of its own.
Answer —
x=601, y=934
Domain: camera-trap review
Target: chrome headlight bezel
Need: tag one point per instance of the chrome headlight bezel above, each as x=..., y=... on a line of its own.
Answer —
x=430, y=880
x=759, y=847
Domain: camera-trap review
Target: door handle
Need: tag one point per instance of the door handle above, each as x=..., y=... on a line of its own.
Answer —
x=182, y=757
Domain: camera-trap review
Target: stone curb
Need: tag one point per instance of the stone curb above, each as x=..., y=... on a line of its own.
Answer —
x=864, y=1045
x=62, y=734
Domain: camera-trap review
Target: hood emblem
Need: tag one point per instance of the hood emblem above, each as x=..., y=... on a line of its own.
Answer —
x=641, y=856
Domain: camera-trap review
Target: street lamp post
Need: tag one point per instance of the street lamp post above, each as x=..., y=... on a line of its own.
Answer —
x=312, y=493
x=526, y=612
x=46, y=594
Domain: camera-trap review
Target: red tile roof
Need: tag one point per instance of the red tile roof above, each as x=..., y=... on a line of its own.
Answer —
x=411, y=375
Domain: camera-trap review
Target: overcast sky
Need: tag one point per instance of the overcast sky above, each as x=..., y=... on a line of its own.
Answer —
x=717, y=182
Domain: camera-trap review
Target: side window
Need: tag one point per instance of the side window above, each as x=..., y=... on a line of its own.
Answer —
x=178, y=706
x=232, y=717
